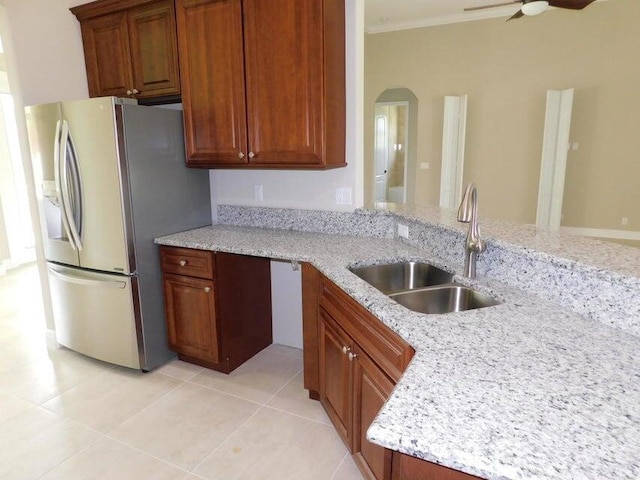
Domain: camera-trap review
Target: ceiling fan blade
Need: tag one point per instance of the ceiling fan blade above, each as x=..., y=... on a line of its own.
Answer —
x=518, y=14
x=482, y=7
x=570, y=4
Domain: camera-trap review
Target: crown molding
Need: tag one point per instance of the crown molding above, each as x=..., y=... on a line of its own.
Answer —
x=504, y=11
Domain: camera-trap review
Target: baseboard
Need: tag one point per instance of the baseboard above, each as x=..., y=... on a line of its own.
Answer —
x=52, y=343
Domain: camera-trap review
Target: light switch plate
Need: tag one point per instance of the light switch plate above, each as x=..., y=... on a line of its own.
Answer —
x=343, y=196
x=258, y=193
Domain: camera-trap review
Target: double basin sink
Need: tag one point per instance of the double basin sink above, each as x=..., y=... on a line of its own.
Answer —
x=422, y=287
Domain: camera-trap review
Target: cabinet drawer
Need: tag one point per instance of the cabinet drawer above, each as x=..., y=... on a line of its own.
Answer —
x=187, y=261
x=384, y=346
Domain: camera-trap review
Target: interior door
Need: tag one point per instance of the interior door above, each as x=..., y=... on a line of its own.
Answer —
x=93, y=141
x=381, y=152
x=555, y=146
x=44, y=126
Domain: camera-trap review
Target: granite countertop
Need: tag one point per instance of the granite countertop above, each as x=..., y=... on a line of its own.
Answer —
x=522, y=390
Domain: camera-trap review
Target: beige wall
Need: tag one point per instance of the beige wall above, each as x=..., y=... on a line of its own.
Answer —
x=46, y=40
x=506, y=69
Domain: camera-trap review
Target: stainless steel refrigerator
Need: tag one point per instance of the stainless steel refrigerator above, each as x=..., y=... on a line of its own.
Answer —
x=110, y=177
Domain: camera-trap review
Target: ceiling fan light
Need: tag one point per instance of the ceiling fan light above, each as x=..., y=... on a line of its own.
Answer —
x=534, y=8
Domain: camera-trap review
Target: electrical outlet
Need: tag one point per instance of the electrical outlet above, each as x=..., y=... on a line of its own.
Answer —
x=403, y=231
x=625, y=220
x=424, y=165
x=343, y=196
x=258, y=193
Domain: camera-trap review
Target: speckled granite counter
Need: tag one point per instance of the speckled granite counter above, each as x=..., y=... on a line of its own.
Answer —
x=523, y=390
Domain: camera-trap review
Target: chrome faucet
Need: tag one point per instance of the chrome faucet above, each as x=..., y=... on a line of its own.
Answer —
x=473, y=245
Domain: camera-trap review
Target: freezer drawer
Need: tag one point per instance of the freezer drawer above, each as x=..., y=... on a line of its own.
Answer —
x=94, y=314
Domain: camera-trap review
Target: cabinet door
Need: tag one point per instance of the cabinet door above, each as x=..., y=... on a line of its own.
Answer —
x=191, y=317
x=154, y=51
x=107, y=55
x=406, y=467
x=335, y=375
x=210, y=45
x=371, y=388
x=284, y=69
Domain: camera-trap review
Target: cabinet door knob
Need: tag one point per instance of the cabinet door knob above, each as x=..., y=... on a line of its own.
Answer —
x=136, y=91
x=345, y=349
x=352, y=356
x=207, y=289
x=251, y=154
x=129, y=92
x=240, y=155
x=183, y=263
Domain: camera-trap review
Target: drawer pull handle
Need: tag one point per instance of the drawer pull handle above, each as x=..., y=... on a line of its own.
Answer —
x=345, y=349
x=183, y=263
x=352, y=356
x=207, y=289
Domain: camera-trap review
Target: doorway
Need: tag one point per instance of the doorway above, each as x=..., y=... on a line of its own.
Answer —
x=393, y=162
x=390, y=151
x=17, y=242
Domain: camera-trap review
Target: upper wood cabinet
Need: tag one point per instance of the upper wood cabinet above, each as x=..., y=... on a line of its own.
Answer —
x=263, y=83
x=130, y=47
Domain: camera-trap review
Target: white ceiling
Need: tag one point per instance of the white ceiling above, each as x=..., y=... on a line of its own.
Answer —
x=388, y=15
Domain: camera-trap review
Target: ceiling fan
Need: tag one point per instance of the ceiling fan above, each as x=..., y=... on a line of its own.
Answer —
x=534, y=7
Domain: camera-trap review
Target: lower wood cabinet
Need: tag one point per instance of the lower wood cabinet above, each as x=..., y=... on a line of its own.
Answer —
x=351, y=364
x=406, y=467
x=371, y=388
x=217, y=306
x=359, y=360
x=353, y=389
x=190, y=307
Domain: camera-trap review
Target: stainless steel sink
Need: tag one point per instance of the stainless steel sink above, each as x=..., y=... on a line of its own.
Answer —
x=443, y=299
x=399, y=277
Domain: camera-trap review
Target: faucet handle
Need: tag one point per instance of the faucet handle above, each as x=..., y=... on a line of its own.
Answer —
x=465, y=211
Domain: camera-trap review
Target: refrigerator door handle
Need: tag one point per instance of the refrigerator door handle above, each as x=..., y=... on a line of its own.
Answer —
x=79, y=280
x=57, y=166
x=72, y=198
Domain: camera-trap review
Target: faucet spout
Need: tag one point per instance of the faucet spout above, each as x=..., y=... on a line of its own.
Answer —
x=473, y=245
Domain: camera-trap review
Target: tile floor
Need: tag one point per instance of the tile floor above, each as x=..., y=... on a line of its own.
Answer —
x=65, y=416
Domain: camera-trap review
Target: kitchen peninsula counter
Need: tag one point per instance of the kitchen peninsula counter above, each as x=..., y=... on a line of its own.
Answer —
x=523, y=390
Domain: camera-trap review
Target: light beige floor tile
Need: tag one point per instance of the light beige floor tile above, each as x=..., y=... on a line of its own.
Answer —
x=20, y=292
x=257, y=379
x=22, y=348
x=293, y=398
x=109, y=460
x=185, y=425
x=347, y=470
x=10, y=406
x=43, y=379
x=285, y=350
x=180, y=370
x=34, y=441
x=109, y=399
x=274, y=445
